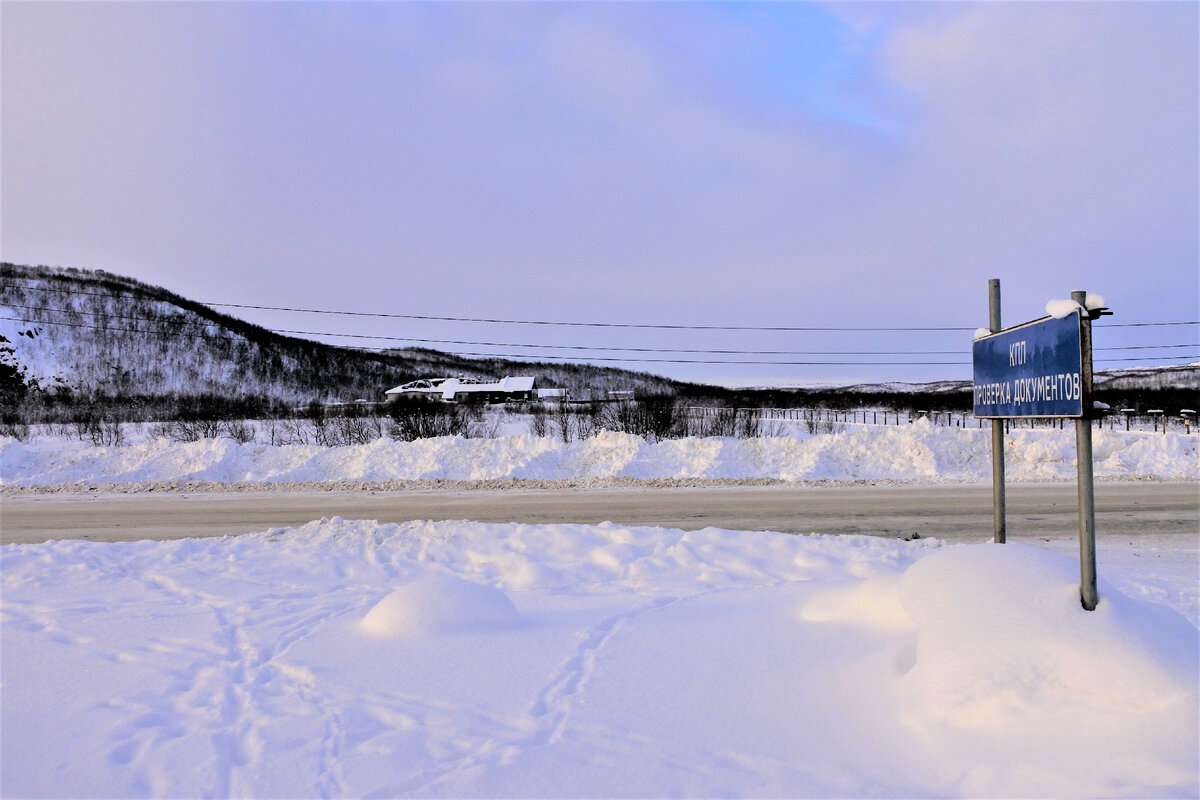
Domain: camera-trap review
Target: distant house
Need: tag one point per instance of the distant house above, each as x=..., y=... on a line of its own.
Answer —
x=458, y=390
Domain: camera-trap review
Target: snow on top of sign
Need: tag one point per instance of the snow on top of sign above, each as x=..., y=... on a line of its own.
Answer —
x=981, y=333
x=1061, y=308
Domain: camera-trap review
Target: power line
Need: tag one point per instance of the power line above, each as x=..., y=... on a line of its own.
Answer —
x=578, y=349
x=602, y=349
x=649, y=326
x=626, y=360
x=1146, y=347
x=428, y=317
x=165, y=334
x=563, y=323
x=799, y=363
x=676, y=350
x=179, y=321
x=518, y=356
x=560, y=323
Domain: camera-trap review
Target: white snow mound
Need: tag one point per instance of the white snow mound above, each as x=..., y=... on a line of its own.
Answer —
x=1004, y=654
x=1002, y=633
x=441, y=604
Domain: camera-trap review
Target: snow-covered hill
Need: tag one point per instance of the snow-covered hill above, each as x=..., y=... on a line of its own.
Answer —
x=99, y=332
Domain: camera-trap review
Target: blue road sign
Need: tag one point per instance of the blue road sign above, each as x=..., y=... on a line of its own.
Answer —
x=1032, y=370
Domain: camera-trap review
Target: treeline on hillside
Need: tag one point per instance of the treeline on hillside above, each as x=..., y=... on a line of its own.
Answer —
x=839, y=399
x=64, y=405
x=656, y=417
x=103, y=420
x=1169, y=399
x=20, y=404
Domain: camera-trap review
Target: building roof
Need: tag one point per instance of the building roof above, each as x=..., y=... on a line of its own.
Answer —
x=449, y=388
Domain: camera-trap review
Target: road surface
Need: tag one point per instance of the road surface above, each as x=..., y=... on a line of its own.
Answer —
x=946, y=512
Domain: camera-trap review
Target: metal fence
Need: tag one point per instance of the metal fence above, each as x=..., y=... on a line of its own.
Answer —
x=821, y=419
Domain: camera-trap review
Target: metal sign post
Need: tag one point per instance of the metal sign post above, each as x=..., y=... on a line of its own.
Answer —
x=999, y=513
x=1083, y=466
x=1041, y=369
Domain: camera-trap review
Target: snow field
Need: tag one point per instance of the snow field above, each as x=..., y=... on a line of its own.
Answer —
x=352, y=658
x=356, y=659
x=918, y=452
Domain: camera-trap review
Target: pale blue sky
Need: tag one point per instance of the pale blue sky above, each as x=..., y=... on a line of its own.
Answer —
x=737, y=164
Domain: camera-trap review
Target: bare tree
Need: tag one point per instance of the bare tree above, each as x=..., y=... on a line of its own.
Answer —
x=560, y=412
x=414, y=418
x=538, y=417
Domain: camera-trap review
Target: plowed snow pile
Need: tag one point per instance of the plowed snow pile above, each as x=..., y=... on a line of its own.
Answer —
x=354, y=659
x=918, y=452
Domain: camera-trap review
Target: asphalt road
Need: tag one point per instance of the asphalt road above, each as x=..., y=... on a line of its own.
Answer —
x=948, y=512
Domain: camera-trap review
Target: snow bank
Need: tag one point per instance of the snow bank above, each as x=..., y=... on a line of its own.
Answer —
x=457, y=659
x=917, y=452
